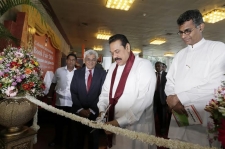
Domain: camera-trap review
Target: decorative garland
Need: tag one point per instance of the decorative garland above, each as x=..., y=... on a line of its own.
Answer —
x=146, y=138
x=35, y=126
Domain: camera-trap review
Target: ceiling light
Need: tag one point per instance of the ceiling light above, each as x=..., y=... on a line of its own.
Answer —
x=169, y=54
x=97, y=48
x=157, y=41
x=136, y=51
x=119, y=4
x=214, y=16
x=104, y=35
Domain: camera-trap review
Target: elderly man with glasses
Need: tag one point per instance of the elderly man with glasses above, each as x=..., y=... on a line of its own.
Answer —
x=194, y=74
x=85, y=89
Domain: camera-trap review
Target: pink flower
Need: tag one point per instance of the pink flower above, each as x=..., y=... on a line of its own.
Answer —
x=18, y=54
x=11, y=91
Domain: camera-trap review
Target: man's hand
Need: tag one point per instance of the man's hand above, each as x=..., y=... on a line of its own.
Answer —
x=179, y=108
x=113, y=123
x=172, y=100
x=85, y=113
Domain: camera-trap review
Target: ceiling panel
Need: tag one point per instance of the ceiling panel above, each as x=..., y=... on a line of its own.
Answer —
x=146, y=19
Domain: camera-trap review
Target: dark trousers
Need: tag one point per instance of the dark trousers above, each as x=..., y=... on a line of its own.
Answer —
x=161, y=110
x=60, y=123
x=80, y=132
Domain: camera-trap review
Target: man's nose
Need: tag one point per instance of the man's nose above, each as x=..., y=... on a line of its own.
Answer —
x=114, y=55
x=183, y=35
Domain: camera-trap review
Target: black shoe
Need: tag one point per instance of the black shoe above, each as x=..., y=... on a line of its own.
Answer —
x=51, y=144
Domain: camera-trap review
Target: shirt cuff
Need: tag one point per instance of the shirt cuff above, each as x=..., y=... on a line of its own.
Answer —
x=122, y=121
x=183, y=98
x=101, y=109
x=92, y=111
x=79, y=110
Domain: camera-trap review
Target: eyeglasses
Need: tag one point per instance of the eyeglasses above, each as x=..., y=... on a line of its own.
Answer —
x=186, y=32
x=91, y=60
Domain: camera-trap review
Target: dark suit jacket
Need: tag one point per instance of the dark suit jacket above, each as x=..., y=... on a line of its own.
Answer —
x=80, y=97
x=162, y=85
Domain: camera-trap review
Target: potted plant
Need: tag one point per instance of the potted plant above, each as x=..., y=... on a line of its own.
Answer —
x=20, y=75
x=216, y=108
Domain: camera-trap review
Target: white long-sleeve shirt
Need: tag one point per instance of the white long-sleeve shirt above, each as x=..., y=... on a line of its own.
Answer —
x=194, y=74
x=134, y=108
x=196, y=71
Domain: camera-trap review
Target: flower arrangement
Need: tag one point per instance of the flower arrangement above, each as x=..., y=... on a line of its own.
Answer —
x=216, y=108
x=20, y=73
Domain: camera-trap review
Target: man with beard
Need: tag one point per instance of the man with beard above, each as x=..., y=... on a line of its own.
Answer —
x=128, y=89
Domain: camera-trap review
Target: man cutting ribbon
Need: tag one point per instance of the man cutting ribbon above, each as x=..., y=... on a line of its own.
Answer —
x=129, y=88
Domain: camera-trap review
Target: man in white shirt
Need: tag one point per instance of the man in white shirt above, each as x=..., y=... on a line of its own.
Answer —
x=128, y=89
x=61, y=84
x=194, y=74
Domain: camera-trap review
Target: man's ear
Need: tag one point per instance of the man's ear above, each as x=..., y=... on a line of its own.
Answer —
x=202, y=26
x=128, y=46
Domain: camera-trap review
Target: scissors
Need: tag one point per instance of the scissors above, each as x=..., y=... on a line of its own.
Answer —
x=101, y=119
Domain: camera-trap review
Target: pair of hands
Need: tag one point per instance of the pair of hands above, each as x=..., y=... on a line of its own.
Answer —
x=175, y=104
x=85, y=113
x=113, y=123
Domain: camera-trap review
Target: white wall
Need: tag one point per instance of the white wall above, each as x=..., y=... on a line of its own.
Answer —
x=107, y=61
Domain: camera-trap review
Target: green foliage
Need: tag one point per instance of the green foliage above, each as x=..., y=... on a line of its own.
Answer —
x=5, y=34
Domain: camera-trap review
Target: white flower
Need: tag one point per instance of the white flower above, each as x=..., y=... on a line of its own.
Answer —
x=18, y=54
x=11, y=92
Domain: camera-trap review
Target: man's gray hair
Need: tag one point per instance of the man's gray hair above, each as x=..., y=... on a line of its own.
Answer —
x=91, y=52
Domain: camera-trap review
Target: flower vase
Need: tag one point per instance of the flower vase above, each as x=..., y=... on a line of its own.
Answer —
x=14, y=113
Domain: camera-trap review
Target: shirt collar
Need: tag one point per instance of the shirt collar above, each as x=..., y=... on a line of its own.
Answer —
x=86, y=69
x=159, y=72
x=67, y=69
x=198, y=44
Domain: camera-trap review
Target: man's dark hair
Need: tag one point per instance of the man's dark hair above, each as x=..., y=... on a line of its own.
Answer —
x=120, y=37
x=164, y=65
x=71, y=54
x=158, y=63
x=193, y=15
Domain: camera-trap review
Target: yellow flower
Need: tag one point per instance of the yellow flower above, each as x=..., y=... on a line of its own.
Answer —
x=36, y=63
x=20, y=61
x=15, y=59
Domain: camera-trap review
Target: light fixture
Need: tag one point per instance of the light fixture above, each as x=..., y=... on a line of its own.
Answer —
x=158, y=41
x=214, y=16
x=46, y=41
x=169, y=54
x=136, y=51
x=119, y=4
x=104, y=35
x=97, y=48
x=31, y=30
